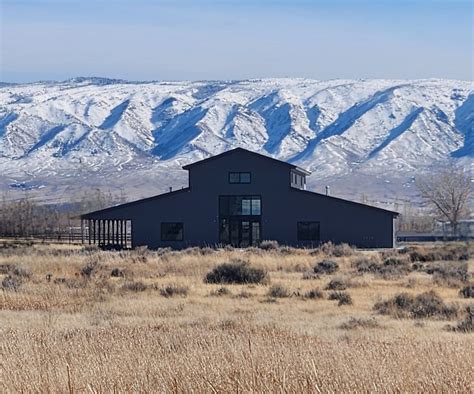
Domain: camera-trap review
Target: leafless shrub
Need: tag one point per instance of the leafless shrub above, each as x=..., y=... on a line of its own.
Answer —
x=135, y=286
x=355, y=323
x=467, y=324
x=411, y=283
x=11, y=283
x=173, y=290
x=89, y=269
x=244, y=294
x=446, y=252
x=290, y=251
x=339, y=250
x=163, y=251
x=15, y=270
x=269, y=245
x=198, y=251
x=278, y=291
x=343, y=297
x=467, y=291
x=221, y=291
x=308, y=275
x=337, y=284
x=424, y=305
x=391, y=267
x=314, y=294
x=366, y=264
x=140, y=254
x=326, y=267
x=75, y=283
x=449, y=273
x=236, y=272
x=117, y=273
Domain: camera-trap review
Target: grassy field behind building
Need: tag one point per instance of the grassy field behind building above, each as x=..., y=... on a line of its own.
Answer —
x=333, y=319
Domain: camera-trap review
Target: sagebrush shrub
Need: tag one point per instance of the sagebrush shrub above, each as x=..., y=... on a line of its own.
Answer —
x=467, y=324
x=314, y=294
x=269, y=245
x=343, y=297
x=221, y=291
x=278, y=291
x=236, y=272
x=173, y=290
x=337, y=284
x=14, y=270
x=446, y=252
x=117, y=273
x=393, y=266
x=448, y=272
x=339, y=250
x=467, y=291
x=326, y=267
x=135, y=286
x=89, y=269
x=425, y=305
x=354, y=323
x=11, y=283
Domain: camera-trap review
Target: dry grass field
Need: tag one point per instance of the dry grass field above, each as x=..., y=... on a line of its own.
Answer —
x=333, y=319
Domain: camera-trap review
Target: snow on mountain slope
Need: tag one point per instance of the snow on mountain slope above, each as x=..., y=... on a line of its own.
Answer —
x=113, y=133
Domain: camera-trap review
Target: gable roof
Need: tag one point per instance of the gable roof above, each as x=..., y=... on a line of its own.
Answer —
x=236, y=150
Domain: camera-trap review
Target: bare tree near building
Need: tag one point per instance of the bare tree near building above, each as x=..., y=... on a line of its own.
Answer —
x=448, y=191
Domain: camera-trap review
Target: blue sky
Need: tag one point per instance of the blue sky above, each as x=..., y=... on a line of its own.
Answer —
x=235, y=39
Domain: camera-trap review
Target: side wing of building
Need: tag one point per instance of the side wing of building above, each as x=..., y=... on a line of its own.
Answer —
x=155, y=222
x=326, y=218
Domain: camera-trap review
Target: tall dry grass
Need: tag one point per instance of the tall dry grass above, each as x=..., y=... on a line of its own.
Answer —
x=158, y=327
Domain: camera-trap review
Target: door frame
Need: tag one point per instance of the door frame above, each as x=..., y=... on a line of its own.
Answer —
x=240, y=220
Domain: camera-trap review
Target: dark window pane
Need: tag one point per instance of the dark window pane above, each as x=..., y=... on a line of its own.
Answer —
x=308, y=231
x=172, y=231
x=235, y=205
x=234, y=177
x=245, y=234
x=255, y=233
x=245, y=177
x=234, y=232
x=224, y=231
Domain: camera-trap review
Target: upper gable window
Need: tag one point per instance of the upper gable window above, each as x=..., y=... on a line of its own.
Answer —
x=239, y=177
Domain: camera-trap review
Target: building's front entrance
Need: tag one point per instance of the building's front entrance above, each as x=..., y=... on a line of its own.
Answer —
x=240, y=232
x=240, y=220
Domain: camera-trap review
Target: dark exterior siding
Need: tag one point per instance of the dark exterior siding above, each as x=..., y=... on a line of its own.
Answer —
x=282, y=207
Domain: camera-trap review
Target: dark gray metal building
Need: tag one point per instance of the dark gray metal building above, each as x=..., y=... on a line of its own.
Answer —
x=240, y=198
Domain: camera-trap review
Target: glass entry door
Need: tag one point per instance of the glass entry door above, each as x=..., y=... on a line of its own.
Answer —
x=240, y=232
x=240, y=220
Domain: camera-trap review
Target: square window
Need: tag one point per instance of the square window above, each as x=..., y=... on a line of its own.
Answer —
x=245, y=177
x=172, y=231
x=234, y=177
x=308, y=231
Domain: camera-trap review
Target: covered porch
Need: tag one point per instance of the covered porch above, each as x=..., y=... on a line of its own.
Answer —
x=107, y=233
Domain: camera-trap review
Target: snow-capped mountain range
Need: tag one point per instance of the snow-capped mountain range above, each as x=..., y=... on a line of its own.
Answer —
x=367, y=137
